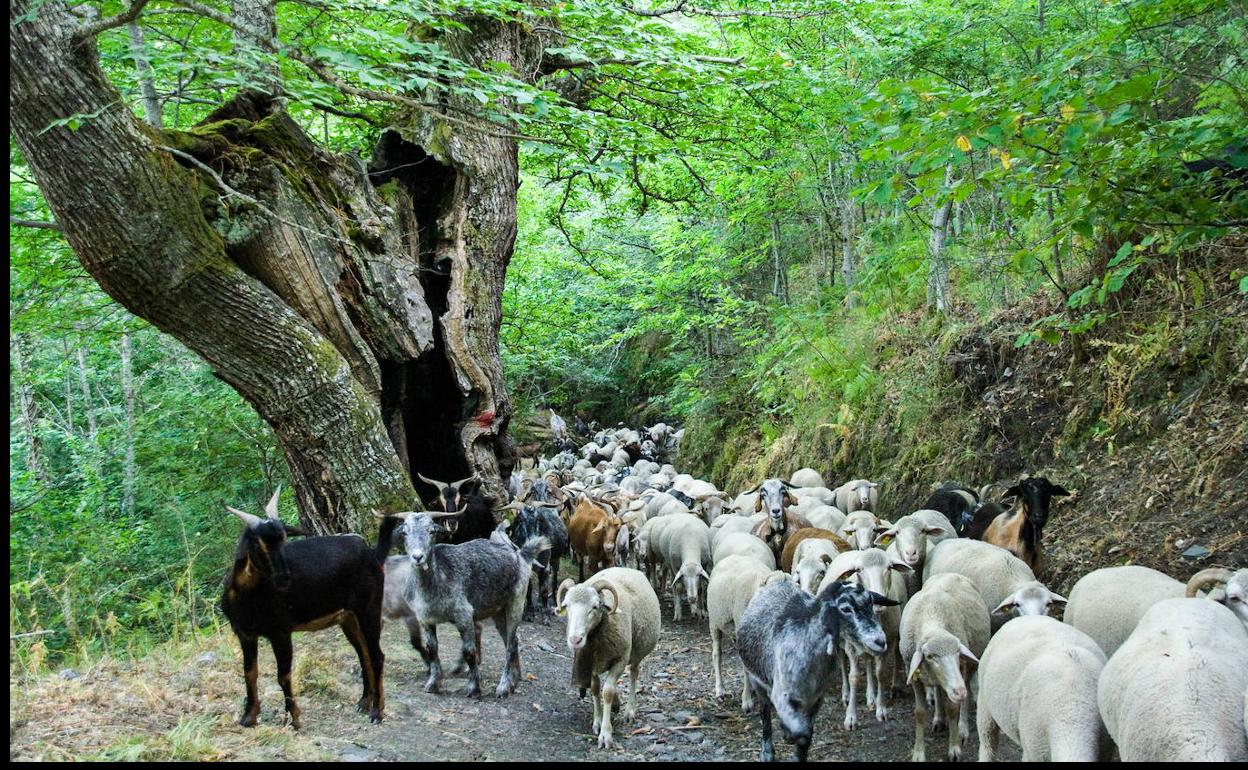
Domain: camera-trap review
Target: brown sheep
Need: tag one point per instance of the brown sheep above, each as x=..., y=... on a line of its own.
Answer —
x=796, y=537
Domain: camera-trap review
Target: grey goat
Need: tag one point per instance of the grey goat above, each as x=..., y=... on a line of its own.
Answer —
x=463, y=585
x=787, y=640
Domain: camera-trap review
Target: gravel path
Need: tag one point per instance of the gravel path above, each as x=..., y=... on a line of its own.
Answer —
x=678, y=719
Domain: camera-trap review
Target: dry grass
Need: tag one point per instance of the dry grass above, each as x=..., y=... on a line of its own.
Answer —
x=180, y=702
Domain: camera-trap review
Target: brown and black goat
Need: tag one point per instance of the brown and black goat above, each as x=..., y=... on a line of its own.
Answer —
x=277, y=587
x=1017, y=528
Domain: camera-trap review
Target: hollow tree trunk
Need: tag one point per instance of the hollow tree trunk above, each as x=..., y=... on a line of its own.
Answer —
x=356, y=309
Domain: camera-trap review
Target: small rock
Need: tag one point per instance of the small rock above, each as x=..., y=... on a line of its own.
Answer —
x=1115, y=549
x=1197, y=552
x=544, y=647
x=693, y=736
x=68, y=674
x=357, y=754
x=207, y=659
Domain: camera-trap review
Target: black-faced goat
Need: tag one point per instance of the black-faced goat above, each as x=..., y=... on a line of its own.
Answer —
x=276, y=588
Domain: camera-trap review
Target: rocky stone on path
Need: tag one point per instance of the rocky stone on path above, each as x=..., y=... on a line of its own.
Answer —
x=1196, y=552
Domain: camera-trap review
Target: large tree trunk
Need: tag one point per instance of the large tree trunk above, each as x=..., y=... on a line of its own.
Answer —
x=356, y=309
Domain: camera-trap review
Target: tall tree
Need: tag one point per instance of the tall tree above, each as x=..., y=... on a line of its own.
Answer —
x=357, y=309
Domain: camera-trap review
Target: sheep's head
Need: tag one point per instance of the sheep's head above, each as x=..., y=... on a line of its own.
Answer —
x=1226, y=587
x=1033, y=598
x=689, y=575
x=263, y=541
x=861, y=528
x=871, y=568
x=938, y=661
x=711, y=506
x=808, y=573
x=585, y=605
x=1034, y=494
x=909, y=537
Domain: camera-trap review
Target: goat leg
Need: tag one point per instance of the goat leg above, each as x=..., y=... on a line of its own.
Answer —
x=430, y=654
x=251, y=672
x=469, y=633
x=764, y=711
x=283, y=652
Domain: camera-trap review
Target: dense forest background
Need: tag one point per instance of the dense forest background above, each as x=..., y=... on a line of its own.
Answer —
x=908, y=241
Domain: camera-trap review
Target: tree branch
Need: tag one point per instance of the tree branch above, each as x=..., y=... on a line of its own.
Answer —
x=120, y=20
x=36, y=224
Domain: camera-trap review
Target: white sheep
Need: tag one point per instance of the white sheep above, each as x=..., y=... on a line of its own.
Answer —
x=1106, y=604
x=605, y=635
x=684, y=545
x=876, y=571
x=743, y=544
x=734, y=581
x=822, y=516
x=861, y=528
x=810, y=562
x=944, y=629
x=1004, y=581
x=726, y=525
x=820, y=495
x=806, y=477
x=1229, y=588
x=912, y=536
x=1174, y=691
x=857, y=495
x=1037, y=684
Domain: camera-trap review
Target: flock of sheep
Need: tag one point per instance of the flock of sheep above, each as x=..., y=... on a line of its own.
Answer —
x=811, y=580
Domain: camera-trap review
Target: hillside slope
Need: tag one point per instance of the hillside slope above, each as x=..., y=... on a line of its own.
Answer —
x=1149, y=429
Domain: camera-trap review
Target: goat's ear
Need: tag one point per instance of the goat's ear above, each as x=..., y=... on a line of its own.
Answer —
x=1013, y=491
x=826, y=559
x=295, y=531
x=758, y=504
x=789, y=499
x=1057, y=491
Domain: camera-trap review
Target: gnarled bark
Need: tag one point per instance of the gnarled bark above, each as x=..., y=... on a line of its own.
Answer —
x=356, y=309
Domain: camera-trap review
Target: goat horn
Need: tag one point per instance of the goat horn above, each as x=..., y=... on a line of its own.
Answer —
x=439, y=484
x=443, y=515
x=250, y=519
x=615, y=594
x=514, y=505
x=1206, y=576
x=463, y=481
x=563, y=589
x=270, y=510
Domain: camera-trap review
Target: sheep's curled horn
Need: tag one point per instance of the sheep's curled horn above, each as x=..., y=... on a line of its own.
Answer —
x=1216, y=575
x=563, y=589
x=614, y=594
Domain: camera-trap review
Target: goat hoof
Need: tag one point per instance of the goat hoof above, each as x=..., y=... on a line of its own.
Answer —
x=432, y=685
x=473, y=692
x=375, y=717
x=247, y=720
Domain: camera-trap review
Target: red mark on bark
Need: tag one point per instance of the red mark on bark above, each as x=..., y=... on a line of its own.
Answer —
x=485, y=419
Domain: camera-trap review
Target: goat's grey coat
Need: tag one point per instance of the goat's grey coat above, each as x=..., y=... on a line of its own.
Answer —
x=463, y=584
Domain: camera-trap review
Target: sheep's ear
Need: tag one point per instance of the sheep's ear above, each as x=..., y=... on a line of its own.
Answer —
x=886, y=537
x=916, y=663
x=1058, y=599
x=934, y=531
x=1005, y=606
x=826, y=559
x=966, y=653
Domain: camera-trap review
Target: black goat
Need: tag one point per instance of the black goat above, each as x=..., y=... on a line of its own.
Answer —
x=474, y=517
x=277, y=587
x=540, y=520
x=957, y=502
